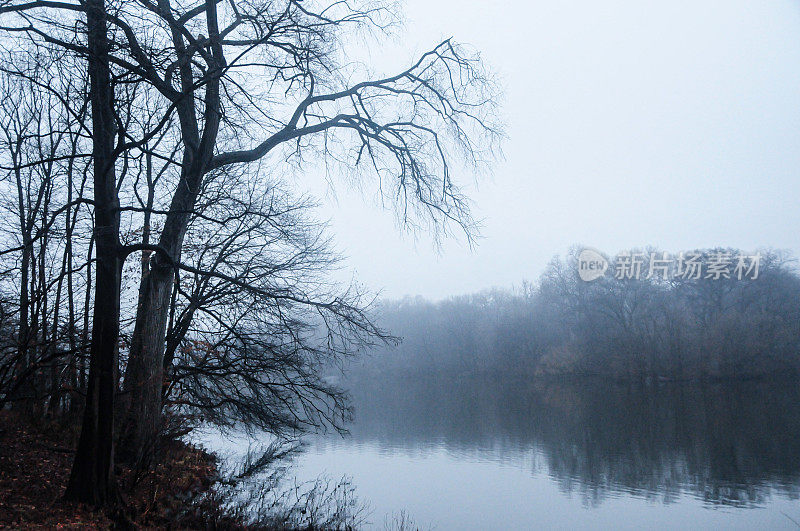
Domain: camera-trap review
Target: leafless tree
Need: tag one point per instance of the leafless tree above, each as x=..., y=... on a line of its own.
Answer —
x=261, y=62
x=186, y=95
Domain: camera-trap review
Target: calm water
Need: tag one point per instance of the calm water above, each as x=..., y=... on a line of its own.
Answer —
x=489, y=453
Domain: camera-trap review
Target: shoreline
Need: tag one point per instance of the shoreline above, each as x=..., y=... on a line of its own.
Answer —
x=35, y=462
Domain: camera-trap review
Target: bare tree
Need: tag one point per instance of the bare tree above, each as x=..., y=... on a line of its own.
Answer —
x=403, y=127
x=256, y=323
x=42, y=158
x=243, y=80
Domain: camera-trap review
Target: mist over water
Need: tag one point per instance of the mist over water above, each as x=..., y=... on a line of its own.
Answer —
x=548, y=247
x=480, y=452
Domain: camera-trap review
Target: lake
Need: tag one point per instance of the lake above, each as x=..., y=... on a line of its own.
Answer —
x=512, y=453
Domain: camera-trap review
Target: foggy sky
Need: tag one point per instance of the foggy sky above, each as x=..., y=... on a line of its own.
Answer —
x=630, y=123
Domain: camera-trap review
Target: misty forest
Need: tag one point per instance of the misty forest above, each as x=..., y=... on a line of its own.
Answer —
x=183, y=344
x=636, y=330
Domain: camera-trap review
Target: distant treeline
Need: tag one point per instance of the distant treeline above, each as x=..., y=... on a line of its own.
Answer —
x=667, y=326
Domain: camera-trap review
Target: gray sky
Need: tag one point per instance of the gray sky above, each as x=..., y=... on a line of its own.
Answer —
x=630, y=123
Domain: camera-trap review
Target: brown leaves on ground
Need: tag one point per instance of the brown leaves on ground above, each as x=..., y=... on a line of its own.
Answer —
x=35, y=463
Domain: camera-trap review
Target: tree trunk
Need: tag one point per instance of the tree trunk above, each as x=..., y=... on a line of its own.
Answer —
x=141, y=374
x=24, y=339
x=86, y=302
x=92, y=479
x=145, y=372
x=144, y=375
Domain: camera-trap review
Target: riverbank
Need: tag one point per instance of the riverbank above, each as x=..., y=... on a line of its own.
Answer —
x=35, y=463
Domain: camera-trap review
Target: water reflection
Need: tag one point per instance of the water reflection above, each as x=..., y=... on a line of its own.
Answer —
x=726, y=444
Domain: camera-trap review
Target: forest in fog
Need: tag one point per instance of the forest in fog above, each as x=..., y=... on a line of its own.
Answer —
x=678, y=328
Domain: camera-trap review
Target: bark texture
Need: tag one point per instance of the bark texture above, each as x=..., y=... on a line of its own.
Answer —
x=92, y=479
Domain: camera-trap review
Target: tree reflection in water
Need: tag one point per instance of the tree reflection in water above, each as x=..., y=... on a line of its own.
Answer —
x=725, y=443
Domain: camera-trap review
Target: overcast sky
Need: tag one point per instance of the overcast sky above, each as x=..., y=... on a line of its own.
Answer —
x=630, y=123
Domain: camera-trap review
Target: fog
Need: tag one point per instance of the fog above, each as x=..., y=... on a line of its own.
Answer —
x=629, y=123
x=483, y=264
